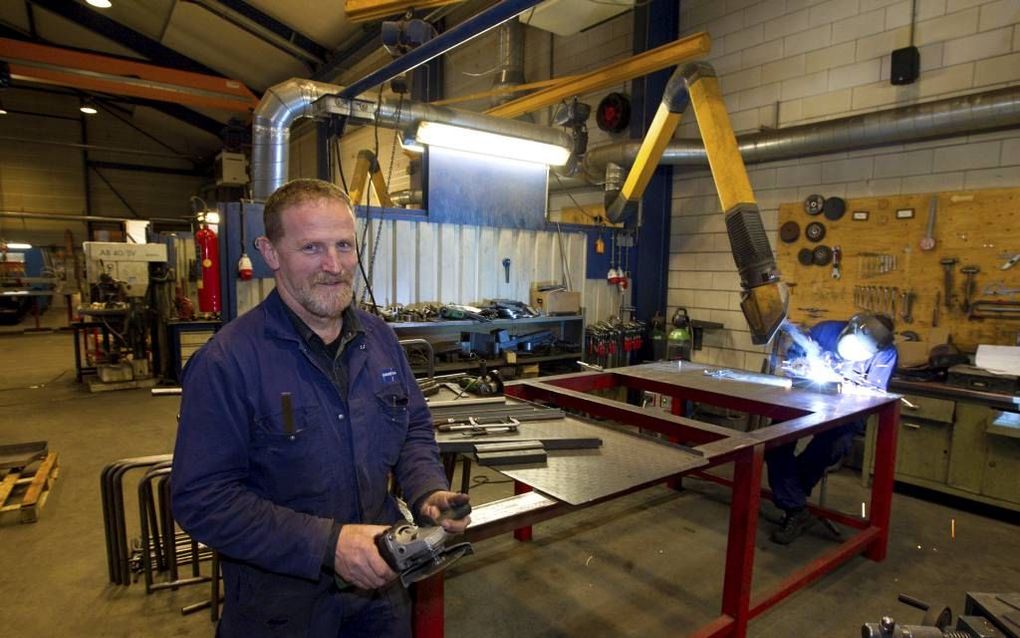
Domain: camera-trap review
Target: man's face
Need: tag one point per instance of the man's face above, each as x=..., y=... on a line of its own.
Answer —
x=315, y=260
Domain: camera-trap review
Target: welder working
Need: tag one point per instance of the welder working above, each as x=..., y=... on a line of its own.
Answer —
x=294, y=418
x=857, y=353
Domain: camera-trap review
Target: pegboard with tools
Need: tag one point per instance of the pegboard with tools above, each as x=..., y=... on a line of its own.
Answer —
x=949, y=260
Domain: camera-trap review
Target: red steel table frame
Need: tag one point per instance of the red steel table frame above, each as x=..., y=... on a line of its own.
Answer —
x=797, y=414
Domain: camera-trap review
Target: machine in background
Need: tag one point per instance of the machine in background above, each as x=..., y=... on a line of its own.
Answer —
x=115, y=324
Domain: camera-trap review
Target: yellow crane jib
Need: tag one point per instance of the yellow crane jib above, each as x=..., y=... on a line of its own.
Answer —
x=764, y=300
x=367, y=167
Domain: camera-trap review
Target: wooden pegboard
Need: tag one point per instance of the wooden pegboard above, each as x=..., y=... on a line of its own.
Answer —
x=976, y=227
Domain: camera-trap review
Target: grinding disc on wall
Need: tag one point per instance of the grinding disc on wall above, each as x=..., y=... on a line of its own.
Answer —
x=813, y=204
x=815, y=231
x=789, y=232
x=822, y=255
x=834, y=208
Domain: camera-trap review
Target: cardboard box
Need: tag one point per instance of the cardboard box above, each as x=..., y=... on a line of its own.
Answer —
x=556, y=302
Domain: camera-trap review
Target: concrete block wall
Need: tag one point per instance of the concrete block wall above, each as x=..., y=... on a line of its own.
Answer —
x=788, y=62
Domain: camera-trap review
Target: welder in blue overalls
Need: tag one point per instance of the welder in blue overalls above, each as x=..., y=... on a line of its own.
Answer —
x=294, y=419
x=862, y=348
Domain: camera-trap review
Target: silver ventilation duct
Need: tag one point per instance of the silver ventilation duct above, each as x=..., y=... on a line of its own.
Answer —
x=284, y=103
x=280, y=107
x=510, y=72
x=964, y=115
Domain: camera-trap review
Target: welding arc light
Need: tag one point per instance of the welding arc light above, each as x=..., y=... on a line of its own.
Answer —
x=491, y=144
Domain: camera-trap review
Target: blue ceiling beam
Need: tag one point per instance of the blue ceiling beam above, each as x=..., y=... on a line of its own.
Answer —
x=437, y=46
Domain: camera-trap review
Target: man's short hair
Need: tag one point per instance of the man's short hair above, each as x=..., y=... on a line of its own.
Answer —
x=297, y=192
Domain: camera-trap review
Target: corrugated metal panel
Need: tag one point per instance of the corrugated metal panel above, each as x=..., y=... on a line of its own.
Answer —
x=418, y=262
x=450, y=263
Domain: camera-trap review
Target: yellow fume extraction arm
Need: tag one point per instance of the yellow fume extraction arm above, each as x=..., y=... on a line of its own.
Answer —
x=764, y=297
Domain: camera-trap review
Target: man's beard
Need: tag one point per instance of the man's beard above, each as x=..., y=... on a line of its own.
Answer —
x=327, y=303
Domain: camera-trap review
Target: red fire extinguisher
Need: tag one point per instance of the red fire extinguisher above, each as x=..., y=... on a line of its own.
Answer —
x=209, y=255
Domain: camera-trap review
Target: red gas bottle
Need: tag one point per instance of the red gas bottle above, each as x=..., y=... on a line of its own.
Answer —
x=208, y=250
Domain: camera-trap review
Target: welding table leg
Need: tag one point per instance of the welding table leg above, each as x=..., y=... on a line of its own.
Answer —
x=678, y=407
x=882, y=485
x=522, y=534
x=740, y=542
x=428, y=614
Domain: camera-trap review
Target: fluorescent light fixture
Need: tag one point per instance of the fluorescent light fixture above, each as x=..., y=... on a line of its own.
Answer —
x=409, y=144
x=18, y=246
x=99, y=4
x=491, y=144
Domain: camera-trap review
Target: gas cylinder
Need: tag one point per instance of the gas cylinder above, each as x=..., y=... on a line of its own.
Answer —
x=208, y=251
x=658, y=335
x=680, y=339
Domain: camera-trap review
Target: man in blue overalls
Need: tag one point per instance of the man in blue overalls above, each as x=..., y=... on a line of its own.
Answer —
x=862, y=349
x=294, y=419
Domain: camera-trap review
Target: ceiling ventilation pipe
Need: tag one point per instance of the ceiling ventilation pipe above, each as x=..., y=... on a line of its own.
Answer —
x=284, y=103
x=963, y=115
x=510, y=71
x=280, y=107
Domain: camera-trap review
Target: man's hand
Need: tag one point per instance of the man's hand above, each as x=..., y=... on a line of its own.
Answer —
x=357, y=559
x=439, y=502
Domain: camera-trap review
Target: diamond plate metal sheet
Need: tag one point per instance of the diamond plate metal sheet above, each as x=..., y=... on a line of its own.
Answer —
x=624, y=461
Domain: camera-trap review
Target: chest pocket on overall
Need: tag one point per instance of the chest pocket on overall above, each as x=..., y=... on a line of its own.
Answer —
x=391, y=403
x=292, y=466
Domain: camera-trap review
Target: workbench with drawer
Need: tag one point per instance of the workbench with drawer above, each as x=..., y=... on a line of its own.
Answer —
x=957, y=441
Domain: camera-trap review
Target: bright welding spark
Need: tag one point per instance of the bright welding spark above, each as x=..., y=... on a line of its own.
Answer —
x=814, y=364
x=822, y=368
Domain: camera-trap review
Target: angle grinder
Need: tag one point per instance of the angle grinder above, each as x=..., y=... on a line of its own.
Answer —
x=416, y=552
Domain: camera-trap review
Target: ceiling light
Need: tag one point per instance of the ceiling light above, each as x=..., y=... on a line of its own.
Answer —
x=88, y=107
x=18, y=246
x=99, y=4
x=492, y=144
x=3, y=111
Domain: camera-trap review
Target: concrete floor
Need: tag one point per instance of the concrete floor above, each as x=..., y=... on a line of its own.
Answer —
x=646, y=565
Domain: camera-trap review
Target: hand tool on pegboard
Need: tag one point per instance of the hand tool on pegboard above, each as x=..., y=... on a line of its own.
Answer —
x=969, y=272
x=928, y=241
x=906, y=306
x=947, y=264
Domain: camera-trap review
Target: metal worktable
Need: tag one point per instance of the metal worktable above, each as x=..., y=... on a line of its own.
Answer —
x=699, y=446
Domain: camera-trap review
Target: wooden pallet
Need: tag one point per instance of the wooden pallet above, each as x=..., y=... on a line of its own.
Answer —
x=28, y=494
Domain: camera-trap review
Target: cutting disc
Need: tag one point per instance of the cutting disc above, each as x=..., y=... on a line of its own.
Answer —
x=805, y=257
x=834, y=208
x=815, y=231
x=813, y=204
x=822, y=255
x=789, y=232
